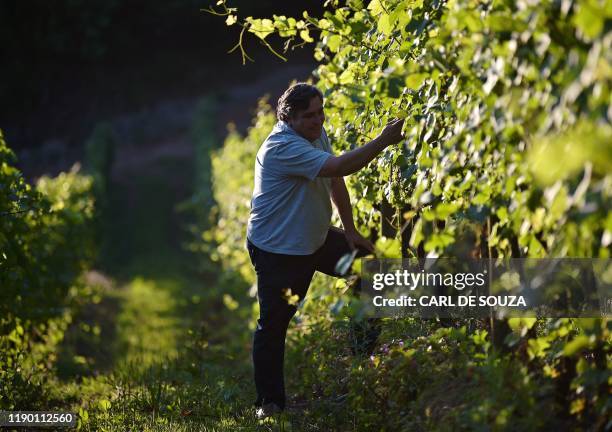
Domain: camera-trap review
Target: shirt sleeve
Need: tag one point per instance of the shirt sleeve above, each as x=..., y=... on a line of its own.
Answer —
x=300, y=158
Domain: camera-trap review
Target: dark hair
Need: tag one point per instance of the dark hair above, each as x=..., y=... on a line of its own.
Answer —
x=296, y=98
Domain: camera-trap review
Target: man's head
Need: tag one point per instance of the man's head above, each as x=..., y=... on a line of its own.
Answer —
x=301, y=106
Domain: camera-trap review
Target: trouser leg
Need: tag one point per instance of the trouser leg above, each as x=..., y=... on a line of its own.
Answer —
x=268, y=354
x=364, y=333
x=275, y=274
x=334, y=248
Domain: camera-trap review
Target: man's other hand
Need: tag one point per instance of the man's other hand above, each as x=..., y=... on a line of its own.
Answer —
x=356, y=240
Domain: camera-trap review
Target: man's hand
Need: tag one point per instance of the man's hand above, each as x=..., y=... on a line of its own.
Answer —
x=356, y=240
x=392, y=132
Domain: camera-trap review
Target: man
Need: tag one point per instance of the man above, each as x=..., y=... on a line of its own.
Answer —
x=288, y=233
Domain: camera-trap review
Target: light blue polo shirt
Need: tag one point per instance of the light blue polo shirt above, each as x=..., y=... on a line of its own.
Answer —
x=291, y=207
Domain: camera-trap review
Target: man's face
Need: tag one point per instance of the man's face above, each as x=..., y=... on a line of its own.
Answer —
x=309, y=122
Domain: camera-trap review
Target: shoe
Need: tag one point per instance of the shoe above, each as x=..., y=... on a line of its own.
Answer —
x=267, y=410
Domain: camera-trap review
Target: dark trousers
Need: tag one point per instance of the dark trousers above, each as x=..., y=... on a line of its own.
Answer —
x=277, y=273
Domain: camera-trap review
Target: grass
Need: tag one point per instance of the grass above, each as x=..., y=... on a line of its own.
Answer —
x=150, y=327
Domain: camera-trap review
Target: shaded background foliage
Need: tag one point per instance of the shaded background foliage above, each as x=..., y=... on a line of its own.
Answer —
x=70, y=64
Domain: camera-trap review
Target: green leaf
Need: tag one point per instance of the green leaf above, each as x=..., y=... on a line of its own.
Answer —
x=521, y=325
x=559, y=156
x=384, y=24
x=535, y=248
x=347, y=77
x=333, y=42
x=84, y=415
x=388, y=248
x=537, y=347
x=415, y=81
x=439, y=241
x=589, y=19
x=260, y=27
x=305, y=34
x=502, y=214
x=578, y=344
x=444, y=210
x=375, y=7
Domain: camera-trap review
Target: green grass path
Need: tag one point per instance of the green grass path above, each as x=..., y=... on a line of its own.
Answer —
x=158, y=350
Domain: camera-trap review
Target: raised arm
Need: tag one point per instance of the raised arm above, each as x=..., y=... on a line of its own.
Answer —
x=352, y=161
